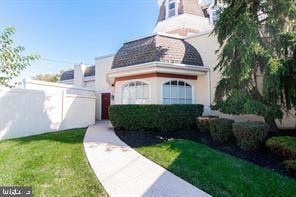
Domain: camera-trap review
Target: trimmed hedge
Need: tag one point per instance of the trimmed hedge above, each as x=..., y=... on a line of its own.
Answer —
x=283, y=145
x=203, y=122
x=250, y=135
x=221, y=129
x=154, y=117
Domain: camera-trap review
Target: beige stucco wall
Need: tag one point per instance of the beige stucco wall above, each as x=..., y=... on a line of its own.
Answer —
x=183, y=21
x=103, y=65
x=202, y=93
x=207, y=44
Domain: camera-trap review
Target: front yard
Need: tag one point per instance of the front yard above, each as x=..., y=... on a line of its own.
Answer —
x=53, y=164
x=218, y=173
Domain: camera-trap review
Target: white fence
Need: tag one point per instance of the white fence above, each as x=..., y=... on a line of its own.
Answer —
x=42, y=107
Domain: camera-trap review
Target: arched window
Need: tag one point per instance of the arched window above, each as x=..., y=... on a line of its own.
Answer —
x=171, y=8
x=176, y=92
x=136, y=92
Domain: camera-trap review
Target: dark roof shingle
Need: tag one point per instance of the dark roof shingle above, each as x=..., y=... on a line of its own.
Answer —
x=90, y=71
x=69, y=75
x=157, y=48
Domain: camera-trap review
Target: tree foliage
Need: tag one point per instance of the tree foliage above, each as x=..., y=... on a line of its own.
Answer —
x=258, y=43
x=48, y=77
x=12, y=62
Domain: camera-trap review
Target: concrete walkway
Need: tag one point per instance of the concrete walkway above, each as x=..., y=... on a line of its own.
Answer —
x=124, y=172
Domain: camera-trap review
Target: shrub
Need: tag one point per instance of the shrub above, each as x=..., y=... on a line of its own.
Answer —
x=203, y=122
x=221, y=129
x=154, y=117
x=291, y=165
x=283, y=145
x=250, y=135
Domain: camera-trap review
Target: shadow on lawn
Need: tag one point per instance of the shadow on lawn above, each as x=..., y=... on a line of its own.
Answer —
x=218, y=173
x=221, y=169
x=264, y=157
x=71, y=136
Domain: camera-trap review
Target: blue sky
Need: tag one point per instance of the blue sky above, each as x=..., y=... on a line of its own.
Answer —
x=74, y=31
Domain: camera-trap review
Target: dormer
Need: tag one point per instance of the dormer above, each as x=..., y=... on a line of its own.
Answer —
x=181, y=17
x=172, y=8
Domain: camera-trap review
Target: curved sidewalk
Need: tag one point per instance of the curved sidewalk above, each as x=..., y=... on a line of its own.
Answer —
x=124, y=172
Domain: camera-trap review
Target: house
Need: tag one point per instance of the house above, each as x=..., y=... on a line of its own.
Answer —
x=175, y=65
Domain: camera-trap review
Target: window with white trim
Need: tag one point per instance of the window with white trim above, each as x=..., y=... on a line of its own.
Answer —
x=215, y=16
x=135, y=92
x=171, y=8
x=176, y=92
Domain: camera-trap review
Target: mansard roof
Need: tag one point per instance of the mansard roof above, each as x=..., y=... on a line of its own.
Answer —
x=69, y=75
x=157, y=48
x=185, y=7
x=90, y=71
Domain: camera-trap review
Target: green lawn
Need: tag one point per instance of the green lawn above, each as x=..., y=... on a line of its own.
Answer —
x=53, y=164
x=217, y=173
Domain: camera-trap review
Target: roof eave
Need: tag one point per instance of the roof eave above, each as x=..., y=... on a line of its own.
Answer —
x=160, y=67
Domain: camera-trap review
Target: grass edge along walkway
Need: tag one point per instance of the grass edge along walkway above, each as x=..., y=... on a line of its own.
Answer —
x=54, y=164
x=218, y=173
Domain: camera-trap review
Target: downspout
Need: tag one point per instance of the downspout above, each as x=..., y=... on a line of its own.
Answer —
x=210, y=90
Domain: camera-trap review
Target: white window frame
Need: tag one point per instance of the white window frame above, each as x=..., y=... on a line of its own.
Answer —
x=168, y=2
x=214, y=16
x=127, y=83
x=213, y=11
x=185, y=98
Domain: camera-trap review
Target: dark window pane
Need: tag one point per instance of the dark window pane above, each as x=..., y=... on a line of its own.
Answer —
x=139, y=83
x=174, y=82
x=172, y=6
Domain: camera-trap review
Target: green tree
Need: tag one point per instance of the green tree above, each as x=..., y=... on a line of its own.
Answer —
x=256, y=36
x=48, y=77
x=12, y=62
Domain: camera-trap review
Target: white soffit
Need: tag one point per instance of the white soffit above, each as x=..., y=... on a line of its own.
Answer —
x=156, y=67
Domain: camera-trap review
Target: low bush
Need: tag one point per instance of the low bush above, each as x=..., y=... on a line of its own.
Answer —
x=203, y=122
x=221, y=129
x=283, y=145
x=154, y=117
x=250, y=135
x=291, y=166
